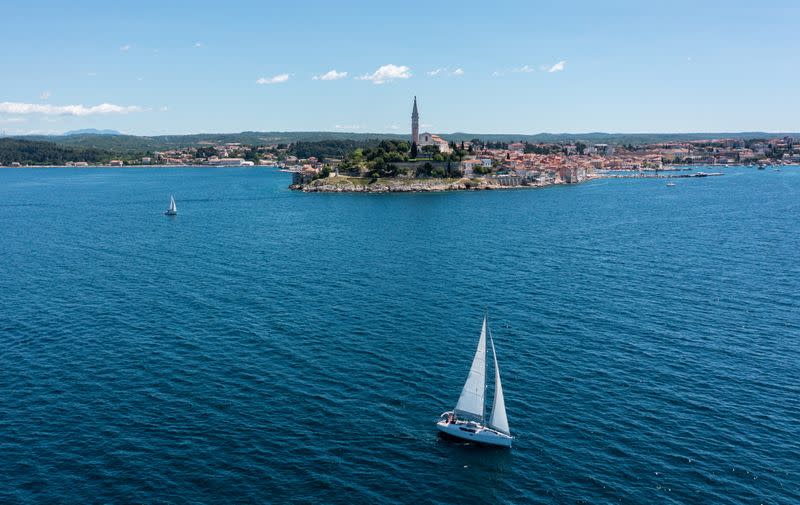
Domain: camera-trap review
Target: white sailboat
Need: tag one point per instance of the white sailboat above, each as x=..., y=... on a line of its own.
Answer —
x=172, y=210
x=467, y=420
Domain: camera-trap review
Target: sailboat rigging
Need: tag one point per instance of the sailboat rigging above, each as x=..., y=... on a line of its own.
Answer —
x=172, y=210
x=467, y=421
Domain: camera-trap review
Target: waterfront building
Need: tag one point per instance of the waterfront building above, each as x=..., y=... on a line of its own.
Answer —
x=227, y=162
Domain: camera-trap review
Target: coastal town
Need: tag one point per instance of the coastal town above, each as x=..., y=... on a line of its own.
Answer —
x=427, y=161
x=435, y=164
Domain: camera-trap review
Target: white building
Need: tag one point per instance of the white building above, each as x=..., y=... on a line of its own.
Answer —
x=429, y=139
x=227, y=162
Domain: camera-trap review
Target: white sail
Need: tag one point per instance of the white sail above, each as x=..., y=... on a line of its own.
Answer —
x=499, y=420
x=471, y=400
x=172, y=206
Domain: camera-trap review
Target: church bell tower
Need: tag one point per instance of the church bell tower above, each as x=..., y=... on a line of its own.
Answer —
x=415, y=123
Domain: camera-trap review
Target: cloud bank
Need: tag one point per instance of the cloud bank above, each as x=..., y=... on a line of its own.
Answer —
x=66, y=110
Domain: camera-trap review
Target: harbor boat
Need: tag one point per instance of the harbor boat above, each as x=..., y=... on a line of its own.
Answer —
x=467, y=421
x=172, y=210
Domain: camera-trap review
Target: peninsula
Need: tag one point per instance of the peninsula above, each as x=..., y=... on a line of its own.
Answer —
x=428, y=162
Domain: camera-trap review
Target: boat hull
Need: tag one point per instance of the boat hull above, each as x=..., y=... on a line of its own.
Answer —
x=474, y=433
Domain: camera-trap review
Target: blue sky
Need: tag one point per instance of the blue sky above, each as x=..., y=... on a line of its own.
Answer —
x=489, y=67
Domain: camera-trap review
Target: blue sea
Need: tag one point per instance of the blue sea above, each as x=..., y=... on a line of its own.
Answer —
x=270, y=346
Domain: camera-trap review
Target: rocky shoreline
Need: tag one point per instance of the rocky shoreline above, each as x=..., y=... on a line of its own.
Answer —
x=363, y=185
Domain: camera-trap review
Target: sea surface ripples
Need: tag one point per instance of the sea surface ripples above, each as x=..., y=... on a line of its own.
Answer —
x=271, y=346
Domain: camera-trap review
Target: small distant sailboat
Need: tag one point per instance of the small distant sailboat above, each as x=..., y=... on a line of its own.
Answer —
x=467, y=420
x=172, y=210
x=670, y=184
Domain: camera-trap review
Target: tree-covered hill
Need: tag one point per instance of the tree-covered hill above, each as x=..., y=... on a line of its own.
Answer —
x=144, y=144
x=30, y=152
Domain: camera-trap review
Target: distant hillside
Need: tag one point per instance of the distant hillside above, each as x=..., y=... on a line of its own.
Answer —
x=612, y=138
x=92, y=131
x=137, y=144
x=30, y=152
x=128, y=144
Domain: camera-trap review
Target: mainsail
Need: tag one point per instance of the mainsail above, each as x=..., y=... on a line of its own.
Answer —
x=499, y=420
x=172, y=206
x=471, y=399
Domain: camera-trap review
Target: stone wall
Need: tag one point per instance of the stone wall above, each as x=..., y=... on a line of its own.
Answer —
x=413, y=165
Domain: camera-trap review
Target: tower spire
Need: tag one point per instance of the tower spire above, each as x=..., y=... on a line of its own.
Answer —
x=415, y=123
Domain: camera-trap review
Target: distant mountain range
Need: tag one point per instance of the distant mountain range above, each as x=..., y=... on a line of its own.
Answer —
x=92, y=131
x=115, y=142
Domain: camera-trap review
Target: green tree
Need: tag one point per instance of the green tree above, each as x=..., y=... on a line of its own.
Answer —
x=205, y=152
x=251, y=155
x=424, y=170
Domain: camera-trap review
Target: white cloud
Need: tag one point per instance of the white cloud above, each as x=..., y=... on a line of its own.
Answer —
x=125, y=48
x=446, y=71
x=525, y=69
x=496, y=73
x=347, y=127
x=66, y=110
x=331, y=75
x=10, y=120
x=198, y=44
x=163, y=108
x=91, y=74
x=387, y=73
x=45, y=95
x=273, y=80
x=558, y=67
